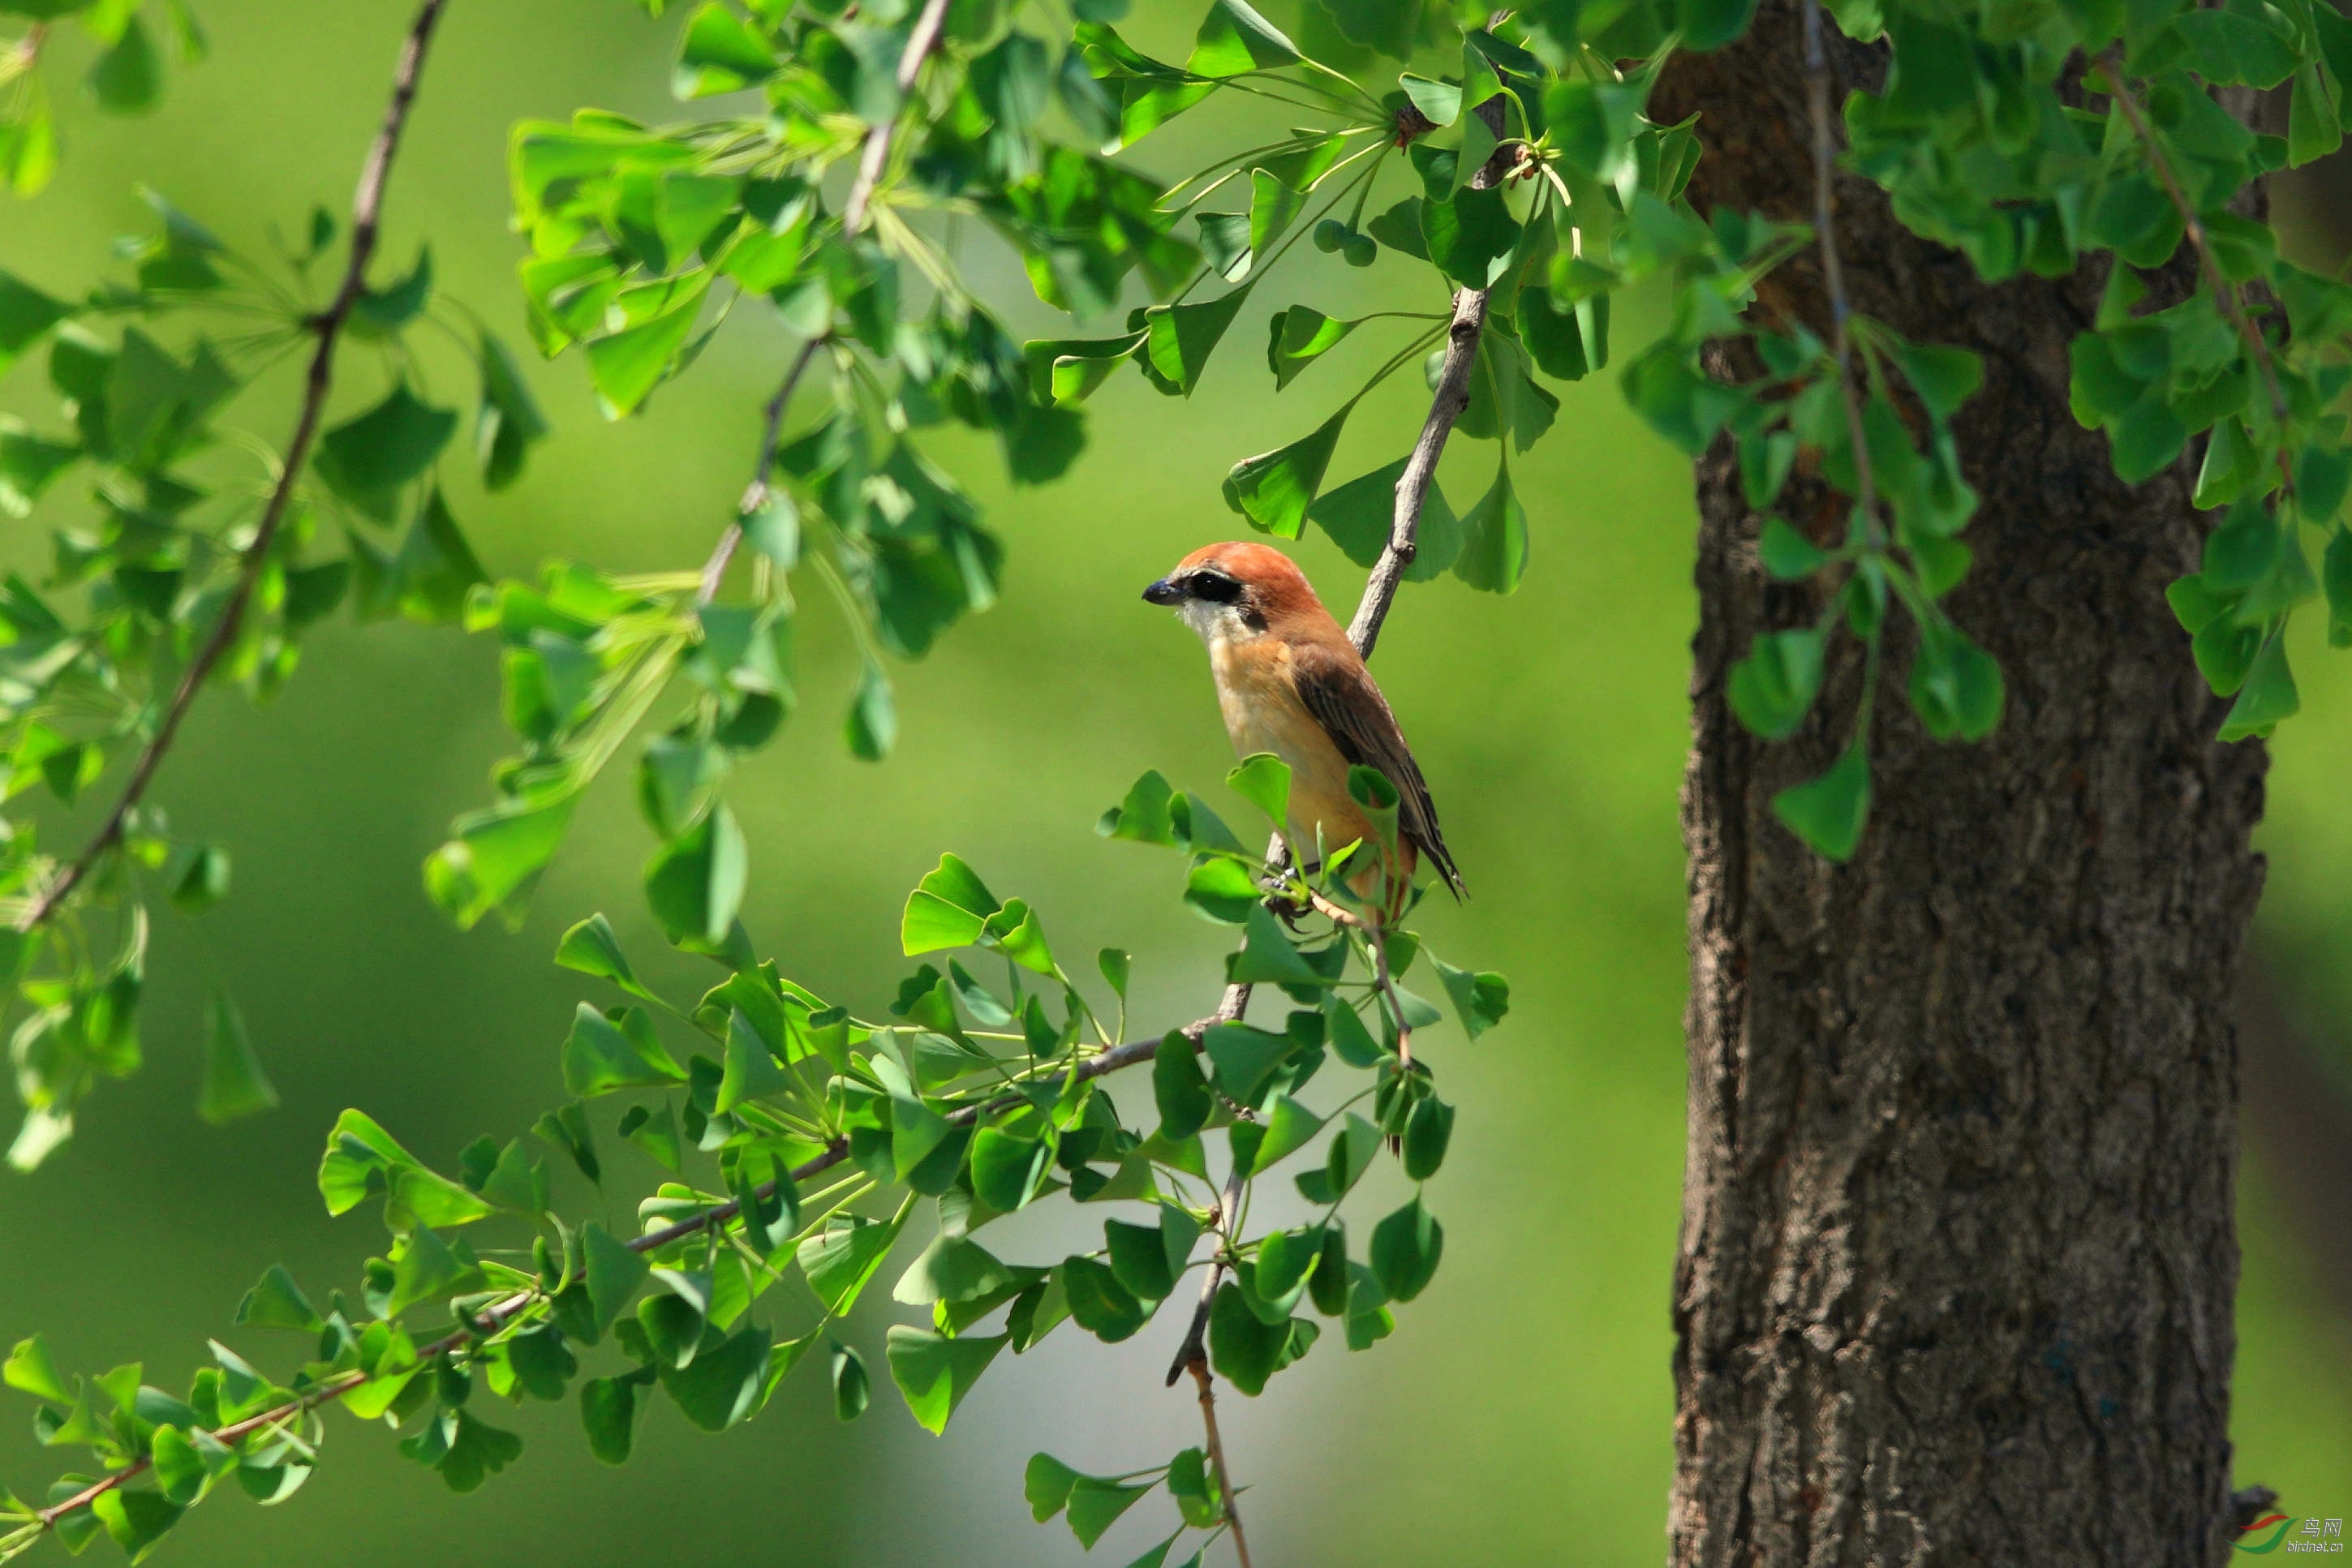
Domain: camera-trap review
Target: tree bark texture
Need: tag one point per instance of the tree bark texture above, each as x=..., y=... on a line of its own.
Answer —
x=1958, y=1257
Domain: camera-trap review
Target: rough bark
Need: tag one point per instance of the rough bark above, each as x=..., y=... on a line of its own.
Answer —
x=1958, y=1257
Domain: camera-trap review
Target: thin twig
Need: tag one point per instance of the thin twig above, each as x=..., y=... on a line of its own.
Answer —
x=310, y=1399
x=1462, y=330
x=488, y=1321
x=1193, y=1354
x=1199, y=1367
x=1445, y=405
x=2192, y=225
x=1386, y=983
x=755, y=494
x=1817, y=97
x=1376, y=936
x=366, y=205
x=1221, y=1220
x=1134, y=1053
x=877, y=155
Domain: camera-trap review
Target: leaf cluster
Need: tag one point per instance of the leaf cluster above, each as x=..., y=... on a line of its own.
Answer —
x=125, y=78
x=145, y=371
x=792, y=1144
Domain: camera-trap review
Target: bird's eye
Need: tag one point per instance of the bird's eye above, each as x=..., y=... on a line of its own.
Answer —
x=1214, y=586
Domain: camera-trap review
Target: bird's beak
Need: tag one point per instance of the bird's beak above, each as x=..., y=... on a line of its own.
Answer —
x=1164, y=592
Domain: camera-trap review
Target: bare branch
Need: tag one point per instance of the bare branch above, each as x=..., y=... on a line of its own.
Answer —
x=1199, y=1367
x=1446, y=406
x=366, y=205
x=755, y=494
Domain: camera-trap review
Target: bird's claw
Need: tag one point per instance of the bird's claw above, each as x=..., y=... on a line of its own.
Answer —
x=1287, y=910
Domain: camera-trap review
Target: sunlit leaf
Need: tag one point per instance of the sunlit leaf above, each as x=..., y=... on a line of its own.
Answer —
x=1273, y=490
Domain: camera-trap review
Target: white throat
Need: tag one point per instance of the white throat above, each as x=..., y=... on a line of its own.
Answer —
x=1217, y=624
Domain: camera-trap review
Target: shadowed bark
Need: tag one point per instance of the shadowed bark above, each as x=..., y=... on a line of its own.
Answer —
x=1958, y=1257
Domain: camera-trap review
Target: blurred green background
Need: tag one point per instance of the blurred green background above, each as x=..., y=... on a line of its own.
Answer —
x=1522, y=1425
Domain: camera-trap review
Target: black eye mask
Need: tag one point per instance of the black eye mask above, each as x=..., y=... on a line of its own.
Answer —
x=1214, y=586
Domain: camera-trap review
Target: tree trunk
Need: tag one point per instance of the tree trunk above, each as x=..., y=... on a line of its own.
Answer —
x=1958, y=1259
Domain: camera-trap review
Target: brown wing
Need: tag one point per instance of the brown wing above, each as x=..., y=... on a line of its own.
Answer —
x=1339, y=691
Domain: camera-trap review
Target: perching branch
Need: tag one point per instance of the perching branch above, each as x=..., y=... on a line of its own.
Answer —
x=1379, y=593
x=366, y=205
x=1445, y=405
x=1383, y=982
x=1817, y=97
x=755, y=494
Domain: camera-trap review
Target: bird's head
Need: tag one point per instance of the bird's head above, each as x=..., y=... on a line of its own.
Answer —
x=1234, y=591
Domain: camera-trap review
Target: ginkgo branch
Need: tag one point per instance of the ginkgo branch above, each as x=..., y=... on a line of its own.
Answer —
x=1447, y=401
x=872, y=161
x=2225, y=293
x=1380, y=591
x=367, y=204
x=756, y=494
x=1193, y=1354
x=1464, y=329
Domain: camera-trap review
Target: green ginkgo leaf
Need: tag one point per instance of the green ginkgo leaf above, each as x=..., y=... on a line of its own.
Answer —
x=1180, y=338
x=1298, y=336
x=1828, y=812
x=1495, y=538
x=1273, y=490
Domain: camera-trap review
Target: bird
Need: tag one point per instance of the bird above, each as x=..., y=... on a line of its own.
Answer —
x=1289, y=682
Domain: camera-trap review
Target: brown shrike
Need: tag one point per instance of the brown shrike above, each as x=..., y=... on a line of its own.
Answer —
x=1290, y=683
